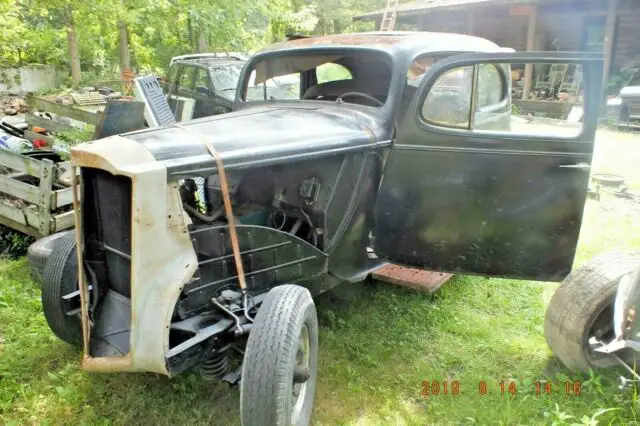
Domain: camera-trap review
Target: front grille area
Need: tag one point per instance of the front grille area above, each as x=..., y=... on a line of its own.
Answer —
x=106, y=222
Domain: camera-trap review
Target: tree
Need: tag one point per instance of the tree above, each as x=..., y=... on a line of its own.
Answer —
x=103, y=38
x=72, y=44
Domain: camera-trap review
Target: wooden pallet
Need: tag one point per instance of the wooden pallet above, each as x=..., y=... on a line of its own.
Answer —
x=31, y=197
x=416, y=279
x=91, y=98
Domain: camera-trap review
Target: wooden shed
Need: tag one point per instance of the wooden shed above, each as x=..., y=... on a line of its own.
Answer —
x=608, y=26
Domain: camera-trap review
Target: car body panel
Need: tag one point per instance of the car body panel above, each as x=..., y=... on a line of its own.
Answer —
x=260, y=136
x=162, y=255
x=492, y=203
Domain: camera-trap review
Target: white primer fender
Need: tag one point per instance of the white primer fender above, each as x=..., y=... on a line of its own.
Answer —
x=162, y=255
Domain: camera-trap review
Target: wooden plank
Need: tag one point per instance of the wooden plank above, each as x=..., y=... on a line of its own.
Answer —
x=20, y=163
x=63, y=110
x=21, y=215
x=50, y=125
x=31, y=136
x=91, y=98
x=61, y=197
x=18, y=189
x=531, y=40
x=63, y=221
x=20, y=227
x=44, y=202
x=609, y=34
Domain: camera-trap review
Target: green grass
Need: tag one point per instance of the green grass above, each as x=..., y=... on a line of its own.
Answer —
x=378, y=343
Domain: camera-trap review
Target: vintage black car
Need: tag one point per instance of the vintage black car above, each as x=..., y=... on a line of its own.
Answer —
x=398, y=147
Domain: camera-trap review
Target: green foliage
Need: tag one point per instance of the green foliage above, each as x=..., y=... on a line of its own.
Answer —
x=35, y=31
x=73, y=137
x=13, y=244
x=332, y=72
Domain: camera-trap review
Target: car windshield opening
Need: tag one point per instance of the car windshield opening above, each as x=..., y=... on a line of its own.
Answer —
x=225, y=79
x=355, y=77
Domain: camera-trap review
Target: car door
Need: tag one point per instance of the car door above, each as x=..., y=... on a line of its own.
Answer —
x=469, y=187
x=202, y=93
x=181, y=92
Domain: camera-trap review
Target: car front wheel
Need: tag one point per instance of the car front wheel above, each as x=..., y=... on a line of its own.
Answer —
x=279, y=369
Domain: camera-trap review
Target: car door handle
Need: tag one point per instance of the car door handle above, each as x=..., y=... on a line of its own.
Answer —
x=581, y=166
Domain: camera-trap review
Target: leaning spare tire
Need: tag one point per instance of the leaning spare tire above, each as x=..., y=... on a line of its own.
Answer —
x=39, y=252
x=582, y=307
x=60, y=278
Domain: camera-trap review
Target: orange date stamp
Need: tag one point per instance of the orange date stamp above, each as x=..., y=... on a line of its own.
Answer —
x=431, y=388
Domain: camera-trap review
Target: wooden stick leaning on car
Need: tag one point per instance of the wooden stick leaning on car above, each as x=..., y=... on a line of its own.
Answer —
x=227, y=204
x=84, y=297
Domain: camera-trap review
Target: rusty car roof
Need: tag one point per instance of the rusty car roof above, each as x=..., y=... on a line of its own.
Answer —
x=390, y=41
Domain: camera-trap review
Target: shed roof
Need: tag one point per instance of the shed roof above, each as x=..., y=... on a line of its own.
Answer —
x=418, y=6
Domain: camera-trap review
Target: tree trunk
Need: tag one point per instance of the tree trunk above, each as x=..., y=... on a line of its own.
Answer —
x=202, y=43
x=337, y=26
x=123, y=39
x=76, y=73
x=190, y=28
x=125, y=56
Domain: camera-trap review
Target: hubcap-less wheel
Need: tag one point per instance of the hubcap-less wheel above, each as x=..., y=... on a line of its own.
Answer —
x=300, y=374
x=279, y=369
x=581, y=311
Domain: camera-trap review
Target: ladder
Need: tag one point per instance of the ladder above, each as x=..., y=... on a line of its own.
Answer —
x=389, y=16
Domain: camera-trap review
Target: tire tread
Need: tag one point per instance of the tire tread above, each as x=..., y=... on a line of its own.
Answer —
x=268, y=352
x=583, y=293
x=55, y=284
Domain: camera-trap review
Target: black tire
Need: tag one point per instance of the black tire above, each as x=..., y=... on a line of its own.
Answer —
x=39, y=252
x=266, y=387
x=60, y=277
x=582, y=303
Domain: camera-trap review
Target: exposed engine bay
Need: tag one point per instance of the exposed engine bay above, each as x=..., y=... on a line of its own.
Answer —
x=294, y=200
x=289, y=219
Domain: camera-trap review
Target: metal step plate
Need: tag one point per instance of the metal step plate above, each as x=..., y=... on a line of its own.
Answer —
x=416, y=279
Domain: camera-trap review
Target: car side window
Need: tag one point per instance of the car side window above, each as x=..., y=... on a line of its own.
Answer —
x=490, y=97
x=491, y=87
x=186, y=78
x=332, y=72
x=448, y=102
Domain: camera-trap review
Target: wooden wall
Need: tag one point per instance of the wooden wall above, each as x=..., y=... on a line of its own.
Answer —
x=627, y=46
x=563, y=21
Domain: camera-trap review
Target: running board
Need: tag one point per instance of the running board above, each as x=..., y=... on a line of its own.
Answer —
x=413, y=278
